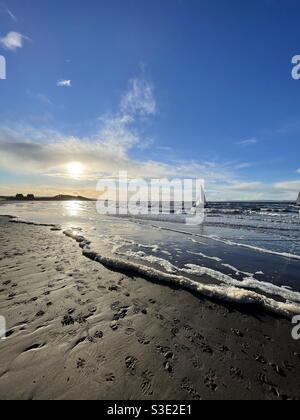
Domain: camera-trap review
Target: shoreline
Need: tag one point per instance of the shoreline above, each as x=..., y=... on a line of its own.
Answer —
x=98, y=333
x=233, y=295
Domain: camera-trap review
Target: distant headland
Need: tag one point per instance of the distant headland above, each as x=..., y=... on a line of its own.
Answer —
x=32, y=197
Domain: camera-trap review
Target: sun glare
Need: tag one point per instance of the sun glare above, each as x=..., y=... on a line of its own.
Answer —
x=75, y=169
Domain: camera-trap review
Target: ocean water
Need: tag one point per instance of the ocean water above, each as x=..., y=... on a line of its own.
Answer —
x=243, y=252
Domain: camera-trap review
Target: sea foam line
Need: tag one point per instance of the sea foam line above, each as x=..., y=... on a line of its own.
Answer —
x=248, y=282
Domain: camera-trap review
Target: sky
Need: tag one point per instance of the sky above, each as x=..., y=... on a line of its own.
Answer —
x=157, y=88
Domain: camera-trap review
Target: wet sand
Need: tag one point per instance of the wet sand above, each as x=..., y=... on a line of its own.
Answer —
x=77, y=330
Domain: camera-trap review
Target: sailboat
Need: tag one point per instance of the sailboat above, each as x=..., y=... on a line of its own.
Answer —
x=298, y=200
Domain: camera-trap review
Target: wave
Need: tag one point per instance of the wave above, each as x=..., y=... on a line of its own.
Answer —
x=231, y=243
x=226, y=293
x=253, y=226
x=248, y=282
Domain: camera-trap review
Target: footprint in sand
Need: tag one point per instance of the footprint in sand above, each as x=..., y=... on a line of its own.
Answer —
x=110, y=377
x=264, y=379
x=129, y=331
x=187, y=386
x=197, y=363
x=113, y=288
x=169, y=355
x=236, y=372
x=101, y=358
x=143, y=340
x=114, y=326
x=131, y=363
x=81, y=363
x=168, y=367
x=147, y=383
x=67, y=320
x=277, y=369
x=98, y=335
x=6, y=283
x=121, y=314
x=210, y=381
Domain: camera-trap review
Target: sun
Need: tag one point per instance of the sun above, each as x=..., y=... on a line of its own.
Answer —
x=75, y=169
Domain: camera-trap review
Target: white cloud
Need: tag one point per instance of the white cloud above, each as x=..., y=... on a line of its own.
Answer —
x=139, y=100
x=298, y=171
x=12, y=41
x=40, y=152
x=46, y=153
x=64, y=83
x=248, y=142
x=288, y=185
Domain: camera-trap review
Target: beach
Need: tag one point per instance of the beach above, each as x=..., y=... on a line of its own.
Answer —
x=80, y=330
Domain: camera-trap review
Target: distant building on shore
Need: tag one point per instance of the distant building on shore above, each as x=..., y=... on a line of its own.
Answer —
x=29, y=197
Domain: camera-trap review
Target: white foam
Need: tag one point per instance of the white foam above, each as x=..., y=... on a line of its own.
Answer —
x=226, y=292
x=166, y=265
x=200, y=254
x=248, y=282
x=237, y=271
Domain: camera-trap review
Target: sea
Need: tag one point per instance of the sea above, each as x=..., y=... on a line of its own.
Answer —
x=244, y=252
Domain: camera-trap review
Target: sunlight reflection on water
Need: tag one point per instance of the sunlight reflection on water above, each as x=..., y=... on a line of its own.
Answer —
x=72, y=208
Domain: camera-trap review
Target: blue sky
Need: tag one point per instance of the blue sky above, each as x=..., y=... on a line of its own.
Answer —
x=159, y=88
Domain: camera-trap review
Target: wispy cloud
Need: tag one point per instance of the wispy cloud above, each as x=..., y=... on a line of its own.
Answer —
x=248, y=142
x=13, y=41
x=64, y=83
x=139, y=99
x=244, y=165
x=12, y=16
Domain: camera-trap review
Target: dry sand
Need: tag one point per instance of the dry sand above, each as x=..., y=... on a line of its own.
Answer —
x=77, y=330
